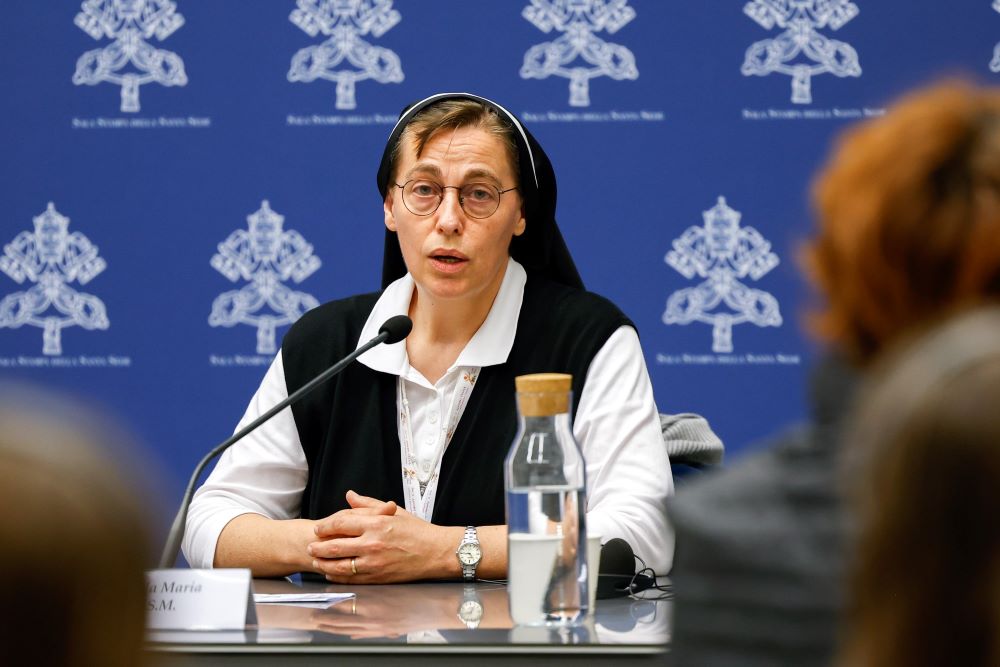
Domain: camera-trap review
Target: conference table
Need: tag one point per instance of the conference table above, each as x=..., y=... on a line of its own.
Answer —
x=419, y=623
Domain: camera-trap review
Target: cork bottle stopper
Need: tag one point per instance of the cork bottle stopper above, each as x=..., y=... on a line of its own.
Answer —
x=543, y=394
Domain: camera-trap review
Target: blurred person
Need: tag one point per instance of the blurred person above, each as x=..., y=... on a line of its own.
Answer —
x=923, y=473
x=387, y=471
x=74, y=538
x=908, y=232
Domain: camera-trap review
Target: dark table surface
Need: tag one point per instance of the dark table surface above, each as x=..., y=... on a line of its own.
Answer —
x=414, y=623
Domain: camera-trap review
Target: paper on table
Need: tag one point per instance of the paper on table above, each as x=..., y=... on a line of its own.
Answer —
x=302, y=599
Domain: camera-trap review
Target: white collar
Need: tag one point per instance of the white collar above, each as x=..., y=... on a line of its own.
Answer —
x=488, y=347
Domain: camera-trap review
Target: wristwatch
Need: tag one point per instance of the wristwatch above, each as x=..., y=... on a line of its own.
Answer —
x=470, y=611
x=469, y=554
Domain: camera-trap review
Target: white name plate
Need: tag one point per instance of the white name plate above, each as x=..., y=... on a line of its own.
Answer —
x=199, y=599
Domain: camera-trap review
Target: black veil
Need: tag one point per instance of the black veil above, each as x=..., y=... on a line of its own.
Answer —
x=541, y=248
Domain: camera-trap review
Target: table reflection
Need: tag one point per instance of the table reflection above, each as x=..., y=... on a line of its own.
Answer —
x=427, y=613
x=392, y=611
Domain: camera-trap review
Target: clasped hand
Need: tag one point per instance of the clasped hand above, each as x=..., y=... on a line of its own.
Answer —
x=376, y=542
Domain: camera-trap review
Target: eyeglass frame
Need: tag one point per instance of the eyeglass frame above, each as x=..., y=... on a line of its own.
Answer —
x=461, y=200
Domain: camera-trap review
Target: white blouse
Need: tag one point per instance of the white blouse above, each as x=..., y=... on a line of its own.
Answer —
x=616, y=424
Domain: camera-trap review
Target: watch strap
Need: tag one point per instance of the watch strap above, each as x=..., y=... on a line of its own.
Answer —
x=470, y=537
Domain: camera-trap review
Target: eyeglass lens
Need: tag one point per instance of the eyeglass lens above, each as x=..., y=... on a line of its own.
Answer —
x=479, y=200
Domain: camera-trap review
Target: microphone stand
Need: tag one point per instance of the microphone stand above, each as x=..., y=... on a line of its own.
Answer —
x=176, y=534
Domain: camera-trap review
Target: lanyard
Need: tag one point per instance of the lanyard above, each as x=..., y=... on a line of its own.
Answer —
x=419, y=488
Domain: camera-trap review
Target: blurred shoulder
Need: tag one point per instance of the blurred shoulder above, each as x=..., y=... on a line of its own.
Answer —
x=731, y=497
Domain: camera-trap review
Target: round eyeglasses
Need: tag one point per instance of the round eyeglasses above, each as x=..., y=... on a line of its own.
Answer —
x=478, y=200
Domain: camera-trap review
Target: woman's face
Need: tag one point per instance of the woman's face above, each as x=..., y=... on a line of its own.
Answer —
x=453, y=256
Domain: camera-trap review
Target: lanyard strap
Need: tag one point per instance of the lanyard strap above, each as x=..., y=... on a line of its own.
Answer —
x=420, y=488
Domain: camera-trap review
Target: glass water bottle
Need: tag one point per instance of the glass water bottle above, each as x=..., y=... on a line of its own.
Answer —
x=546, y=485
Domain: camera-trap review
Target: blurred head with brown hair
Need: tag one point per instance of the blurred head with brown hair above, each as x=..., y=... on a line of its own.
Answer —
x=909, y=219
x=74, y=539
x=923, y=468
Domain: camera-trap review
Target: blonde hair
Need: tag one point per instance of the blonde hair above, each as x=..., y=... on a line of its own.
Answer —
x=922, y=465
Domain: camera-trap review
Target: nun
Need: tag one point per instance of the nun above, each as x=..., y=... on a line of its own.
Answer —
x=382, y=473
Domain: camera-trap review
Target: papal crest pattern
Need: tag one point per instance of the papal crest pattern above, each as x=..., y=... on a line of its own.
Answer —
x=800, y=50
x=579, y=54
x=345, y=58
x=52, y=258
x=129, y=60
x=722, y=253
x=266, y=256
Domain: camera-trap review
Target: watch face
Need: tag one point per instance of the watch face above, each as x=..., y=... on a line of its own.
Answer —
x=469, y=554
x=470, y=611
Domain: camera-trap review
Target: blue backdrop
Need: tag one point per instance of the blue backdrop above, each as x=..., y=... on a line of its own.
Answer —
x=181, y=179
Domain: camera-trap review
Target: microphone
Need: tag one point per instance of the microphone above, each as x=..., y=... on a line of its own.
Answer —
x=392, y=331
x=396, y=329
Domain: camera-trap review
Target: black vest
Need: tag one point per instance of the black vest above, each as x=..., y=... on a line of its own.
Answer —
x=348, y=425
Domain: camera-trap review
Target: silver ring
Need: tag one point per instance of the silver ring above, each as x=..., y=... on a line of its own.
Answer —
x=354, y=568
